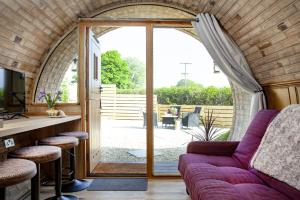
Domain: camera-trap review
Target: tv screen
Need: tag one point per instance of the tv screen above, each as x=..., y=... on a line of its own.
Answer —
x=12, y=91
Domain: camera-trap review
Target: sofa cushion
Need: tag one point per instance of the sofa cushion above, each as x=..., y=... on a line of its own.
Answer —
x=279, y=152
x=187, y=159
x=282, y=187
x=201, y=171
x=253, y=136
x=213, y=189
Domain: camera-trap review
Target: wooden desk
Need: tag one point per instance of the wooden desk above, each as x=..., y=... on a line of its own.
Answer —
x=26, y=131
x=15, y=126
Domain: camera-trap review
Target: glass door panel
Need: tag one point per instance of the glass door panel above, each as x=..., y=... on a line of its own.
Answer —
x=187, y=86
x=123, y=99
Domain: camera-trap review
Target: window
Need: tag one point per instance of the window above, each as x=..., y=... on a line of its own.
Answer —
x=69, y=84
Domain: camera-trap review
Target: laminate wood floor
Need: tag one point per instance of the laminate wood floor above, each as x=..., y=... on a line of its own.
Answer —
x=162, y=189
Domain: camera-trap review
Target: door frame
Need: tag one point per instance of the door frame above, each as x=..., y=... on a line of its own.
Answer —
x=86, y=24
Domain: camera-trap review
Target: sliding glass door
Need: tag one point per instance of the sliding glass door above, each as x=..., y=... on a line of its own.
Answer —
x=123, y=102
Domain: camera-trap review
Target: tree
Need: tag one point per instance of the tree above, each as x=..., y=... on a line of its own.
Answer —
x=115, y=70
x=137, y=69
x=64, y=88
x=189, y=83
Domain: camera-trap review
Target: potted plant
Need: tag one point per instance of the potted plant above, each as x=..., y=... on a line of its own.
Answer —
x=51, y=100
x=208, y=130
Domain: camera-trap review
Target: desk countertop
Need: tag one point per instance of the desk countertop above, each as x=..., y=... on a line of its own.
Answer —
x=15, y=126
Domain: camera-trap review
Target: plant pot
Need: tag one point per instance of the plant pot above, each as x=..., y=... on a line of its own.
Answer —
x=52, y=112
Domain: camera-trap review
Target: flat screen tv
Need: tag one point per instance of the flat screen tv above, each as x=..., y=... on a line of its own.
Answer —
x=12, y=92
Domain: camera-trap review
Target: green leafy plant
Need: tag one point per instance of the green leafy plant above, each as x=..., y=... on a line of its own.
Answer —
x=65, y=91
x=115, y=70
x=208, y=131
x=223, y=136
x=173, y=111
x=191, y=95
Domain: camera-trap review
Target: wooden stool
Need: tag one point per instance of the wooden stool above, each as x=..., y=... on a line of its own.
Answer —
x=81, y=135
x=14, y=171
x=64, y=142
x=73, y=184
x=39, y=155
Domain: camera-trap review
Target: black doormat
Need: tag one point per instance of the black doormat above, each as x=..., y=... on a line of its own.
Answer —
x=119, y=184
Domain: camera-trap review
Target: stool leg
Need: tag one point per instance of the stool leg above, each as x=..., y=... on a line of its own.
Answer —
x=74, y=185
x=2, y=193
x=35, y=184
x=58, y=177
x=73, y=163
x=58, y=183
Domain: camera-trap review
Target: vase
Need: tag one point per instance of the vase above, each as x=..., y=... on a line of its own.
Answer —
x=52, y=112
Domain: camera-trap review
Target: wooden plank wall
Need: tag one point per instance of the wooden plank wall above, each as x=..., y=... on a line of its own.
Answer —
x=282, y=95
x=266, y=31
x=224, y=114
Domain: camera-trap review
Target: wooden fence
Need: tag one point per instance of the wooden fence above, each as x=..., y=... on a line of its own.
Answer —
x=123, y=106
x=131, y=106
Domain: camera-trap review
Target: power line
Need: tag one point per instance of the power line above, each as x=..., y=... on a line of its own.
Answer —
x=185, y=74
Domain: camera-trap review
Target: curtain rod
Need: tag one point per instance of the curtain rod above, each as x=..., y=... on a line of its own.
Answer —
x=141, y=19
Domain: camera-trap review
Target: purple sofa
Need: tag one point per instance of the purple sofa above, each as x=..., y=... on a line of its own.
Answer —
x=221, y=171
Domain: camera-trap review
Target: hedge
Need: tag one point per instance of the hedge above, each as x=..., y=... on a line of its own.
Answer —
x=189, y=96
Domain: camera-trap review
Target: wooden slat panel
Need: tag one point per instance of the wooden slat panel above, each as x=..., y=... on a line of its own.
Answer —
x=130, y=107
x=123, y=106
x=293, y=95
x=298, y=94
x=278, y=97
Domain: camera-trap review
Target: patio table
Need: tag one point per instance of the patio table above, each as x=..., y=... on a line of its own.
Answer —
x=169, y=120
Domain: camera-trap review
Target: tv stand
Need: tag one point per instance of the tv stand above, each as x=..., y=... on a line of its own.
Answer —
x=17, y=115
x=9, y=116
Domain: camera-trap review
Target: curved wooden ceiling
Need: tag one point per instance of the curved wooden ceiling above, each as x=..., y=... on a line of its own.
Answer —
x=55, y=65
x=267, y=31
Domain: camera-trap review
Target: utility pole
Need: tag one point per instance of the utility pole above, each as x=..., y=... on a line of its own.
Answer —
x=185, y=72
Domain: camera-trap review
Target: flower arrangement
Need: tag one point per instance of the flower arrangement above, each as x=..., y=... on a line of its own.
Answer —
x=51, y=100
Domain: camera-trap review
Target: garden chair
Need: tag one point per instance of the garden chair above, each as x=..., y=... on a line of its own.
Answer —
x=171, y=120
x=191, y=119
x=178, y=108
x=155, y=123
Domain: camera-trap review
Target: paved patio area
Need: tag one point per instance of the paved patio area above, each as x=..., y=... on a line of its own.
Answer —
x=125, y=141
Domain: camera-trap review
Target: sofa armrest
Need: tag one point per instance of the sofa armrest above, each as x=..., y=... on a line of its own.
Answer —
x=212, y=148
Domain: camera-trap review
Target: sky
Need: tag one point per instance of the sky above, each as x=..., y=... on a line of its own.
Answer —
x=171, y=48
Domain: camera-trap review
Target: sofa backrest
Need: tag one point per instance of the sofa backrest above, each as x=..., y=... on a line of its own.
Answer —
x=253, y=136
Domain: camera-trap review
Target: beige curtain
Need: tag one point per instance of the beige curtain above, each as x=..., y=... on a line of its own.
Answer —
x=229, y=58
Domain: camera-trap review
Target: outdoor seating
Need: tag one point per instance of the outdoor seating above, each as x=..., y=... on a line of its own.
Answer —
x=171, y=117
x=191, y=119
x=168, y=120
x=178, y=108
x=155, y=120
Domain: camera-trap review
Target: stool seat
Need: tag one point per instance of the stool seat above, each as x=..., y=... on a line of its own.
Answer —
x=63, y=142
x=14, y=171
x=78, y=134
x=38, y=154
